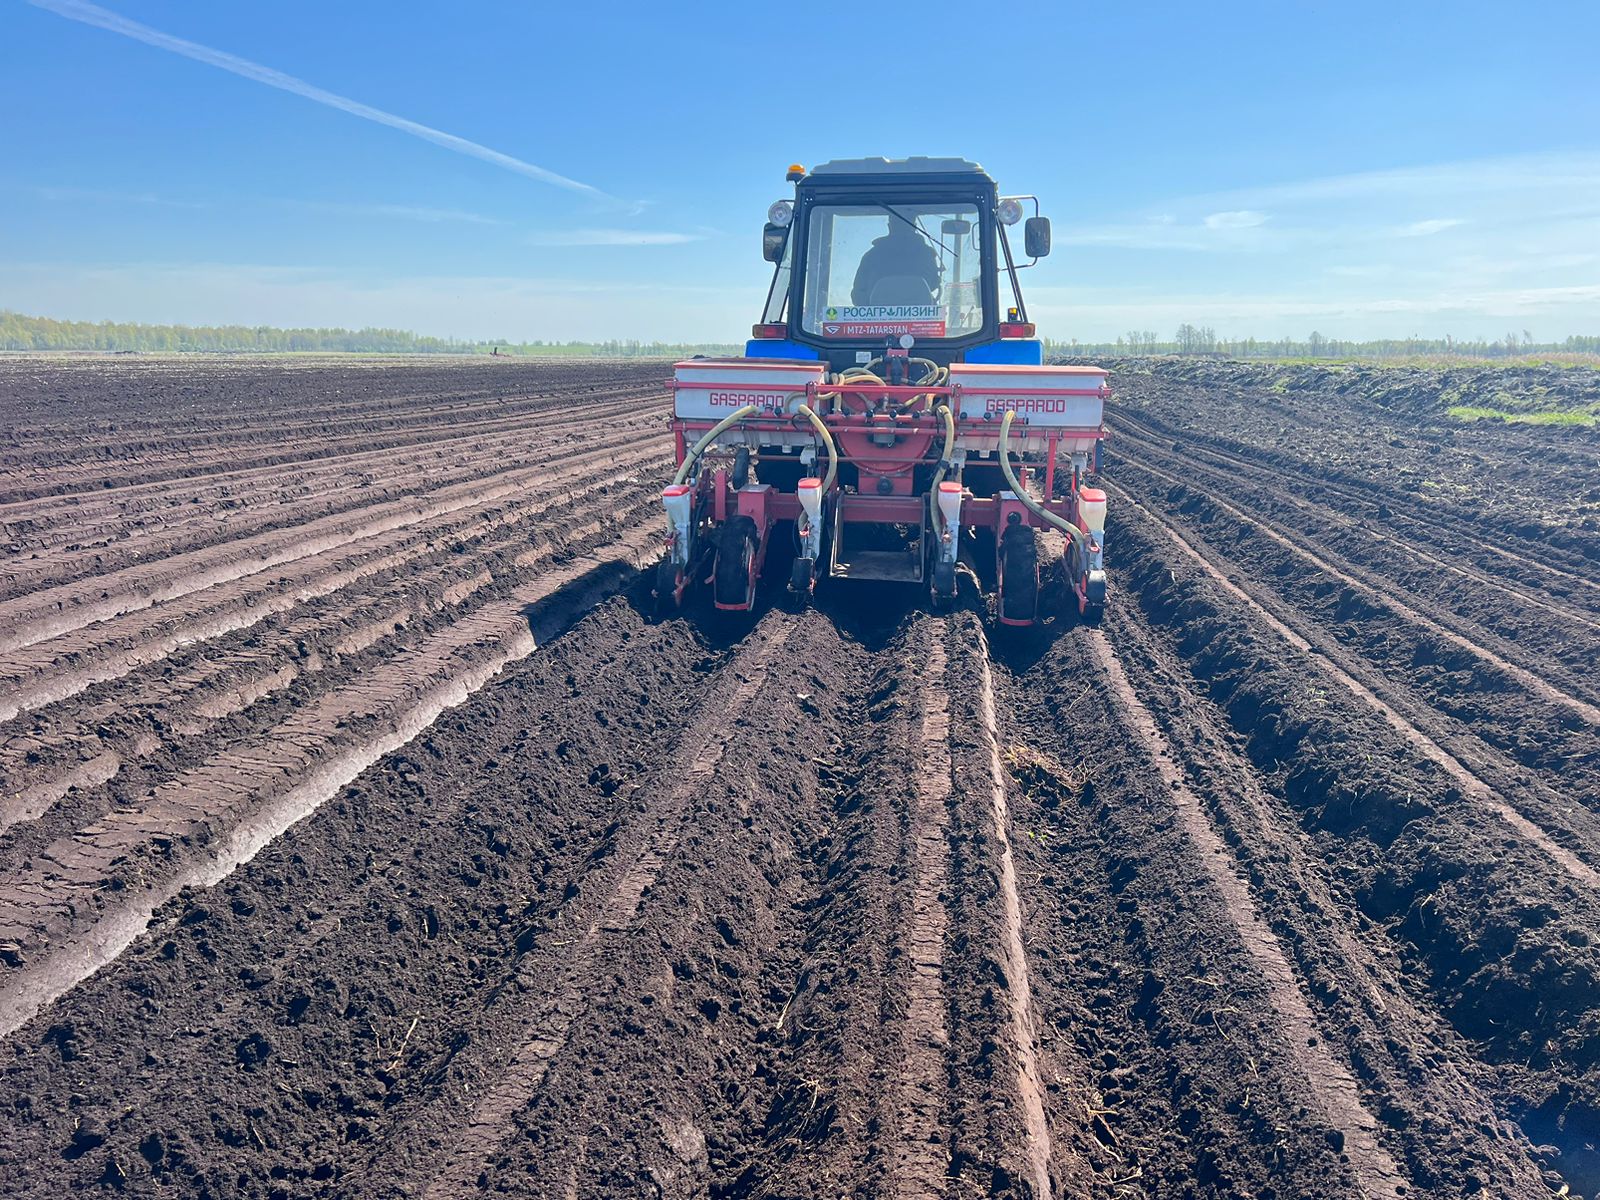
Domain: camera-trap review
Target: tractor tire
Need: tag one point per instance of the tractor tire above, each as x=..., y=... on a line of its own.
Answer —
x=1019, y=574
x=736, y=548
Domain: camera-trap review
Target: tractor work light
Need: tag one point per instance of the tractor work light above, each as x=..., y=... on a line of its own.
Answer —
x=1009, y=211
x=781, y=213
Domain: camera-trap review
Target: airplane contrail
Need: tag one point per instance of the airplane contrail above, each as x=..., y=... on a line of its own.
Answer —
x=93, y=14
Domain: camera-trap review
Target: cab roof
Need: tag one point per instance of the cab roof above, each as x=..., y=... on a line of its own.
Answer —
x=919, y=165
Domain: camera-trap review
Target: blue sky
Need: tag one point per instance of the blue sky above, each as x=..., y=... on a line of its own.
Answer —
x=573, y=171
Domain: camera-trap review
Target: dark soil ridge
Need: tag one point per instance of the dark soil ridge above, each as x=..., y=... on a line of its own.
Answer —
x=1487, y=471
x=1500, y=945
x=304, y=640
x=303, y=1044
x=1490, y=704
x=70, y=540
x=1497, y=600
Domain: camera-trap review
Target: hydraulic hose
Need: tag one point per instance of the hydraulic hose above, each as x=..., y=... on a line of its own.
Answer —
x=827, y=441
x=1028, y=501
x=711, y=435
x=936, y=375
x=853, y=375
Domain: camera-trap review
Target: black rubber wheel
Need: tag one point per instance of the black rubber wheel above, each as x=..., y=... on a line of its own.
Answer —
x=802, y=578
x=1019, y=568
x=736, y=547
x=741, y=467
x=666, y=587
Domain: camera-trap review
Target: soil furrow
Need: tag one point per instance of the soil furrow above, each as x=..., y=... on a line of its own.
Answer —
x=200, y=827
x=1580, y=871
x=1332, y=1083
x=551, y=1015
x=1019, y=992
x=69, y=607
x=1535, y=684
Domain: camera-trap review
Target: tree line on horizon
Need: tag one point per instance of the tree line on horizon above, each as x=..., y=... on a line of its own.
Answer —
x=21, y=332
x=1203, y=340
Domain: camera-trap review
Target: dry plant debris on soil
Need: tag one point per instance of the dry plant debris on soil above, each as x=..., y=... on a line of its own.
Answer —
x=363, y=835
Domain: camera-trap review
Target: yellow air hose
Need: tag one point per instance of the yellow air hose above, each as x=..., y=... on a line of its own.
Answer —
x=711, y=435
x=827, y=440
x=1028, y=501
x=938, y=475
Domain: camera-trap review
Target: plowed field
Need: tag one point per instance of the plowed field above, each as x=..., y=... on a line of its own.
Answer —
x=364, y=834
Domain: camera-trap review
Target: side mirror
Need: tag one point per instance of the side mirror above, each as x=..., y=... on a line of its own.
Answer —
x=955, y=227
x=772, y=239
x=1036, y=237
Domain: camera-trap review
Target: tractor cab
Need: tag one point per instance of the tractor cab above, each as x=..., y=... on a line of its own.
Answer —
x=877, y=254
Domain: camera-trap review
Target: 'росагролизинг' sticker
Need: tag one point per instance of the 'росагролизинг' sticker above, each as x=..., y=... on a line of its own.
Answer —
x=880, y=320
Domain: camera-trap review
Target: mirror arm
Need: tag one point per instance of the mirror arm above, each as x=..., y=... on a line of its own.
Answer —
x=1011, y=269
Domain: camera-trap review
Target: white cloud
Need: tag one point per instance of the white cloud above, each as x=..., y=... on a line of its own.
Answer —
x=612, y=237
x=1243, y=218
x=93, y=14
x=1428, y=228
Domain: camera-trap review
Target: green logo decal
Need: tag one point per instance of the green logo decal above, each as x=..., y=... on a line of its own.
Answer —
x=833, y=314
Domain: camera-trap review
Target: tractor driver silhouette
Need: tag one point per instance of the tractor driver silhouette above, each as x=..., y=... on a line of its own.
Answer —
x=898, y=268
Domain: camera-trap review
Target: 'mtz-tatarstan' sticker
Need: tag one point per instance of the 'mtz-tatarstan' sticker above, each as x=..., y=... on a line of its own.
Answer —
x=883, y=320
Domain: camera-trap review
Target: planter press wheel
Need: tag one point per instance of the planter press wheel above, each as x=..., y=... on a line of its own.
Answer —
x=1078, y=583
x=670, y=583
x=732, y=578
x=1019, y=574
x=802, y=581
